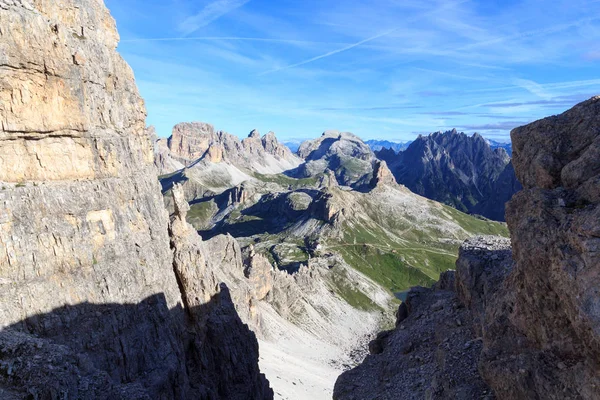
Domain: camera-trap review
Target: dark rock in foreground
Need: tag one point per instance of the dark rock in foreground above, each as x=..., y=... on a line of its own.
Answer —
x=433, y=351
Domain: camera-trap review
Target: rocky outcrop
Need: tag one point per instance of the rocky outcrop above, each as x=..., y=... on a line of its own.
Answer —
x=532, y=308
x=456, y=169
x=553, y=323
x=163, y=159
x=190, y=141
x=328, y=180
x=220, y=335
x=95, y=302
x=260, y=274
x=272, y=146
x=382, y=175
x=483, y=264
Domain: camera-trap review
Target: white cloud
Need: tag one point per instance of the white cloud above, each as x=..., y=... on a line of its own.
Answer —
x=230, y=39
x=533, y=88
x=209, y=14
x=331, y=53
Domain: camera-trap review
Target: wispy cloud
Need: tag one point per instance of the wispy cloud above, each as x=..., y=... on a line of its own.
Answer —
x=331, y=53
x=383, y=67
x=560, y=101
x=528, y=34
x=593, y=55
x=370, y=108
x=533, y=87
x=499, y=126
x=445, y=113
x=210, y=13
x=230, y=39
x=495, y=116
x=452, y=75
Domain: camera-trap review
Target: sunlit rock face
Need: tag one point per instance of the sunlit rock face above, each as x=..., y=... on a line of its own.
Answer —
x=82, y=217
x=94, y=303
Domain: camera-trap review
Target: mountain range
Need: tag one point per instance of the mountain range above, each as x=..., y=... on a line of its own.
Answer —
x=338, y=217
x=506, y=146
x=203, y=266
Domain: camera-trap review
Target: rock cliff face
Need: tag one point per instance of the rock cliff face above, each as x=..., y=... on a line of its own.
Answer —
x=163, y=159
x=382, y=175
x=91, y=304
x=552, y=304
x=532, y=310
x=456, y=169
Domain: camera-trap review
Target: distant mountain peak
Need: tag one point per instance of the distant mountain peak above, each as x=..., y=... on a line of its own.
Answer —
x=377, y=145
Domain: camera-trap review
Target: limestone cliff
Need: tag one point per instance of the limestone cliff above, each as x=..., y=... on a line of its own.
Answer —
x=531, y=310
x=91, y=304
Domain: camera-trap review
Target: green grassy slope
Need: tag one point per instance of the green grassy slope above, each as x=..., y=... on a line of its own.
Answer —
x=398, y=251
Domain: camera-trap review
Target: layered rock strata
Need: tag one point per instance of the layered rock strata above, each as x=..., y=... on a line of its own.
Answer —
x=93, y=298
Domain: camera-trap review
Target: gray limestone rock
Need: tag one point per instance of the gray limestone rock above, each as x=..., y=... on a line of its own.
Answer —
x=191, y=142
x=97, y=300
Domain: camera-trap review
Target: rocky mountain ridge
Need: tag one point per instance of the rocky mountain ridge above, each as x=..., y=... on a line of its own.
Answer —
x=506, y=146
x=518, y=319
x=343, y=153
x=103, y=297
x=196, y=141
x=456, y=169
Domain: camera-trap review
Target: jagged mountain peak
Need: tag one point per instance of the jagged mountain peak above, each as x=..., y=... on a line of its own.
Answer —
x=457, y=169
x=455, y=137
x=377, y=145
x=254, y=134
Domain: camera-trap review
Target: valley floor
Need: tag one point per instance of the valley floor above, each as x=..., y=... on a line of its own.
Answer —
x=300, y=366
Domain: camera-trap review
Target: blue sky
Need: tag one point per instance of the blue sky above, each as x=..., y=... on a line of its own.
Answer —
x=385, y=69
